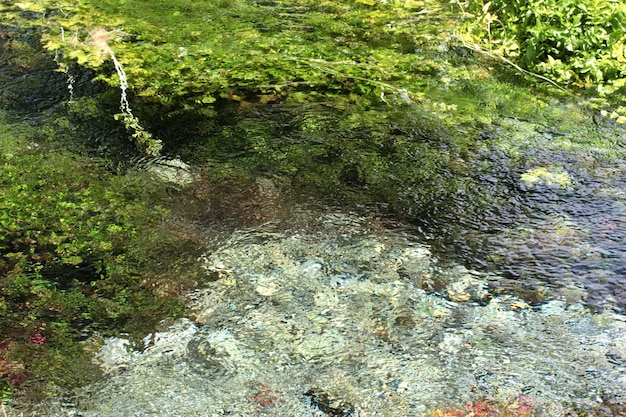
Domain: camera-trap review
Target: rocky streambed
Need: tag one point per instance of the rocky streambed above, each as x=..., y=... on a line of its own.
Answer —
x=345, y=317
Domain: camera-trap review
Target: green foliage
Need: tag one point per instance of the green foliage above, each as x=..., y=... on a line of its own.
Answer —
x=195, y=53
x=142, y=137
x=184, y=58
x=73, y=259
x=580, y=42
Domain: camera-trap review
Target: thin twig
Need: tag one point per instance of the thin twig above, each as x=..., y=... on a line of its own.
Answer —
x=495, y=56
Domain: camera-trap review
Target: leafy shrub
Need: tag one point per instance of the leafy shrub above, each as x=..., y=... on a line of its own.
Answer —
x=579, y=42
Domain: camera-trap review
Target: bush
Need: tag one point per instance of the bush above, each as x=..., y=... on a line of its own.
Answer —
x=577, y=42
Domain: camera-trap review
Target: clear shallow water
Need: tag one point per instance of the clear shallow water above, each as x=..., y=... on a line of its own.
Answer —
x=337, y=317
x=545, y=240
x=573, y=239
x=312, y=312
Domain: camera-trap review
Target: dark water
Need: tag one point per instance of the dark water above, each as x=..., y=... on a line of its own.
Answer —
x=467, y=200
x=577, y=241
x=547, y=241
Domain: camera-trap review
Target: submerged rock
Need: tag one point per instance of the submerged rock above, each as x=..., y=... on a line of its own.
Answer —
x=335, y=322
x=172, y=170
x=546, y=176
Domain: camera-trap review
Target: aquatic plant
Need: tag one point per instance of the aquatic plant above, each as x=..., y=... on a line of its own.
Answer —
x=265, y=398
x=99, y=39
x=72, y=261
x=354, y=57
x=4, y=411
x=246, y=51
x=543, y=175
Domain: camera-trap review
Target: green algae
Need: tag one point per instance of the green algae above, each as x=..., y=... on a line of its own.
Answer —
x=73, y=260
x=361, y=104
x=546, y=176
x=191, y=56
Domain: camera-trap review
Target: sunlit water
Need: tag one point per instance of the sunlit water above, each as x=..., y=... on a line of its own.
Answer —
x=336, y=316
x=511, y=306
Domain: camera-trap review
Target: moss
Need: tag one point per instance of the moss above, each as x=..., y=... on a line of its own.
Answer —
x=544, y=175
x=73, y=260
